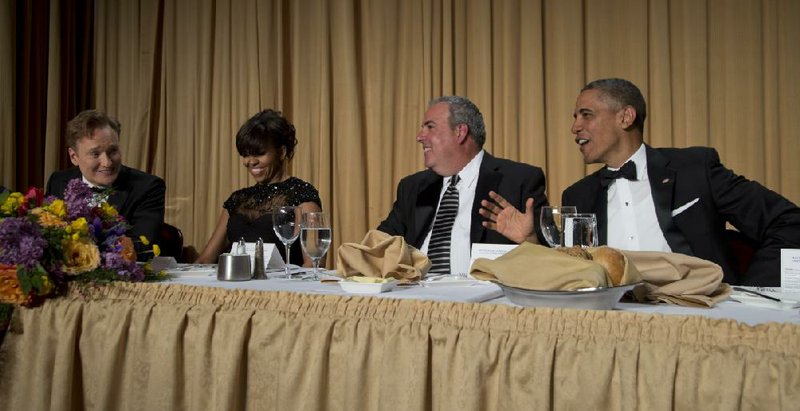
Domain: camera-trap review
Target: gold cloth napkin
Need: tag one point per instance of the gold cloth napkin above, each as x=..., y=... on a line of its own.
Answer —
x=678, y=279
x=534, y=267
x=381, y=255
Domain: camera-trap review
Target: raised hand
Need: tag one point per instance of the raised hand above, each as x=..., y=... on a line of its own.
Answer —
x=504, y=218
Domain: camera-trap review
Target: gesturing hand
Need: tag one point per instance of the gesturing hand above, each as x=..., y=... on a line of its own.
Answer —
x=504, y=218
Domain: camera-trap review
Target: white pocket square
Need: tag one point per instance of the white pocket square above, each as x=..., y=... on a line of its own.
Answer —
x=684, y=207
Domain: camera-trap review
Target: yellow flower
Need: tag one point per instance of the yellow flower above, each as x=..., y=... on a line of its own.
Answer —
x=12, y=203
x=108, y=209
x=47, y=286
x=57, y=208
x=10, y=290
x=80, y=256
x=156, y=250
x=144, y=240
x=79, y=227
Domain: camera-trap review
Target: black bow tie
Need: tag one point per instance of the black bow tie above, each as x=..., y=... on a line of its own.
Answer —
x=627, y=171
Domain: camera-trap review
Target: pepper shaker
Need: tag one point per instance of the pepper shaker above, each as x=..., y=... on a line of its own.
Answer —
x=258, y=269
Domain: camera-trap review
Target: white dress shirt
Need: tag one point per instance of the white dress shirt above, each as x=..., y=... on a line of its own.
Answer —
x=632, y=221
x=97, y=198
x=460, y=246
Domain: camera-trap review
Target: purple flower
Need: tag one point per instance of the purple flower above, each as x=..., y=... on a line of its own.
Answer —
x=21, y=242
x=127, y=271
x=77, y=197
x=96, y=227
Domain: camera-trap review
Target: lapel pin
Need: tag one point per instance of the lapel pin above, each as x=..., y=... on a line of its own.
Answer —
x=665, y=181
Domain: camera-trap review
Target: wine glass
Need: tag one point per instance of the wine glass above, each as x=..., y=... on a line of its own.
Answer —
x=550, y=220
x=580, y=229
x=284, y=222
x=315, y=237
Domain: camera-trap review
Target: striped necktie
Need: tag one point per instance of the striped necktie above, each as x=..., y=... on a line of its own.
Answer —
x=439, y=245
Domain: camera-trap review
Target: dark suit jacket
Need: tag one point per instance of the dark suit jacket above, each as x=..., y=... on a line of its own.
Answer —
x=418, y=198
x=137, y=196
x=677, y=177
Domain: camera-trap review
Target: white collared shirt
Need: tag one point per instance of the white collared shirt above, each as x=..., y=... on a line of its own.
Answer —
x=460, y=237
x=632, y=221
x=97, y=198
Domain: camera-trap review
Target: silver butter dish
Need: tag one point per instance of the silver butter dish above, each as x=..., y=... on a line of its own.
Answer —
x=587, y=298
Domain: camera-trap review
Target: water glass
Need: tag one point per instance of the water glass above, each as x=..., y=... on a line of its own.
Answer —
x=315, y=237
x=580, y=229
x=550, y=221
x=286, y=226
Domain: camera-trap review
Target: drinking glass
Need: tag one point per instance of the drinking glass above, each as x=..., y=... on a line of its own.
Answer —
x=315, y=237
x=580, y=229
x=285, y=224
x=550, y=221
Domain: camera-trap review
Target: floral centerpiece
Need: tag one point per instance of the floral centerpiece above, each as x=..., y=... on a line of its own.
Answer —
x=47, y=242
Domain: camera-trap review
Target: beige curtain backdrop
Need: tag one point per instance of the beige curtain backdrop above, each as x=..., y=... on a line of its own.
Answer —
x=355, y=77
x=173, y=347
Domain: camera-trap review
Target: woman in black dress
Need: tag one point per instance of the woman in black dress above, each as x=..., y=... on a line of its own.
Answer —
x=266, y=144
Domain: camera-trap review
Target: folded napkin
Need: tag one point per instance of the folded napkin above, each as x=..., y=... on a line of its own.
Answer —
x=381, y=255
x=534, y=267
x=678, y=279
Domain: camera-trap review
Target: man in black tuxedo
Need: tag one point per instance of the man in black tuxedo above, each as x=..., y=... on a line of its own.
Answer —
x=671, y=199
x=452, y=137
x=93, y=146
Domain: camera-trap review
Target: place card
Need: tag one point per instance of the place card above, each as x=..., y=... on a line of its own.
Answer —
x=272, y=257
x=790, y=270
x=489, y=251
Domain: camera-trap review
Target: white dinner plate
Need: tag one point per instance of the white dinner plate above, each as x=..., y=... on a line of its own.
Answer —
x=366, y=288
x=590, y=299
x=193, y=270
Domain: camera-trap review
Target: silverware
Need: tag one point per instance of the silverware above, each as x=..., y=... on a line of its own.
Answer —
x=745, y=290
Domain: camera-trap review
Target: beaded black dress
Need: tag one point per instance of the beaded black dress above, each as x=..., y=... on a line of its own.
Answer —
x=250, y=212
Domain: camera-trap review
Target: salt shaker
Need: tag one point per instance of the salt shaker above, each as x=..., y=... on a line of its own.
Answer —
x=258, y=269
x=241, y=248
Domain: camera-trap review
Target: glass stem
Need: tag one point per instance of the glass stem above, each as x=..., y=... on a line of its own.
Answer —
x=316, y=269
x=288, y=272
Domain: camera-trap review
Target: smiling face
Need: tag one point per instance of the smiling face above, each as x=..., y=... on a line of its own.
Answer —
x=602, y=131
x=98, y=156
x=267, y=167
x=441, y=145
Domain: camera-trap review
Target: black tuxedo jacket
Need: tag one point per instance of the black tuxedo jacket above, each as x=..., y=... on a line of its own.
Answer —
x=137, y=196
x=678, y=177
x=418, y=198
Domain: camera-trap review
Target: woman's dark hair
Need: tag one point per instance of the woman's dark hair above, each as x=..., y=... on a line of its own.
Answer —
x=267, y=130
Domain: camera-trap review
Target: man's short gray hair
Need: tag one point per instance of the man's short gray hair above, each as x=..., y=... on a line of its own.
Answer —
x=463, y=111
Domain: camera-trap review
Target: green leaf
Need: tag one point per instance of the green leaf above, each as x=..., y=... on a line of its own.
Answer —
x=24, y=279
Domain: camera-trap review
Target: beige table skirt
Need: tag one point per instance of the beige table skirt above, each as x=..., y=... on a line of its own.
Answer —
x=172, y=347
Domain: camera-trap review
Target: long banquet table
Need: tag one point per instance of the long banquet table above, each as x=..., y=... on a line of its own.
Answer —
x=197, y=344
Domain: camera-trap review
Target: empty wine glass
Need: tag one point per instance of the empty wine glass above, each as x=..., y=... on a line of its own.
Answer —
x=550, y=221
x=285, y=224
x=315, y=237
x=580, y=229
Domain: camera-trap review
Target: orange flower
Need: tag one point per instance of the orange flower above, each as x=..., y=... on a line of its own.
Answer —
x=46, y=219
x=10, y=290
x=127, y=252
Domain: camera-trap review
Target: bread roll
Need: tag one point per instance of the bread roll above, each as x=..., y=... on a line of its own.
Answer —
x=613, y=261
x=576, y=251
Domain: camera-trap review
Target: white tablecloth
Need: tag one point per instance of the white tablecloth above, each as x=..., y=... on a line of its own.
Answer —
x=484, y=292
x=469, y=292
